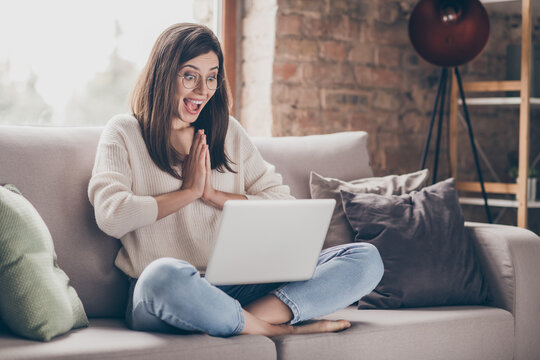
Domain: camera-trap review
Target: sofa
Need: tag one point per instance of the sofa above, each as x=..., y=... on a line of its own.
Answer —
x=51, y=166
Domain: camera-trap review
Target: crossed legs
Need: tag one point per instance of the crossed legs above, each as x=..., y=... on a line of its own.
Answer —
x=171, y=294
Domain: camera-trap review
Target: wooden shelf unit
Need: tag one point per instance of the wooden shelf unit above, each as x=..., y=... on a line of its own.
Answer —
x=497, y=202
x=494, y=101
x=524, y=87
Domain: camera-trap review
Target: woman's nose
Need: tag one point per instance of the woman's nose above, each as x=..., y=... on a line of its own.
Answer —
x=201, y=87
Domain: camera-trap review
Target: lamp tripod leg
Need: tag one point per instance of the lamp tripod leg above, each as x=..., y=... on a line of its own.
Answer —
x=471, y=137
x=439, y=129
x=433, y=114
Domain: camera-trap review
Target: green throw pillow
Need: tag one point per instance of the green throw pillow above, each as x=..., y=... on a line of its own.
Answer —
x=36, y=300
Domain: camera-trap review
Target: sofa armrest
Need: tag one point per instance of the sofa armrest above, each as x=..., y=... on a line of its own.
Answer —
x=510, y=261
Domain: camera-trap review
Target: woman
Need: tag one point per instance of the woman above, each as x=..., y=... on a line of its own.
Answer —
x=159, y=183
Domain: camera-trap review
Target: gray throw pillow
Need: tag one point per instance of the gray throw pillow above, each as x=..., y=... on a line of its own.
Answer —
x=36, y=300
x=340, y=232
x=428, y=259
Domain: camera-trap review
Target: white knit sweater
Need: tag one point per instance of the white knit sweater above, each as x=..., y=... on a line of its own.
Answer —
x=125, y=180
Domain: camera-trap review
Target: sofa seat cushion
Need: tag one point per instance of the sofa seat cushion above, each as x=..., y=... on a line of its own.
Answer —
x=457, y=332
x=110, y=339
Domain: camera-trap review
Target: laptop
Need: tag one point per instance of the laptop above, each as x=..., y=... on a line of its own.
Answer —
x=264, y=241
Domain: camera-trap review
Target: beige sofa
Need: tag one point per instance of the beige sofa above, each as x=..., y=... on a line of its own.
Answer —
x=52, y=166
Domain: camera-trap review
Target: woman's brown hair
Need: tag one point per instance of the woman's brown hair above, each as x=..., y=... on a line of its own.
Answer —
x=154, y=100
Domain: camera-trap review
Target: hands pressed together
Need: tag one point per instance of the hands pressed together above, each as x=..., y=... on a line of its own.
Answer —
x=197, y=170
x=197, y=184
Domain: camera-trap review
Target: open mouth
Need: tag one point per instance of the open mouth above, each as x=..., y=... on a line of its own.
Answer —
x=193, y=106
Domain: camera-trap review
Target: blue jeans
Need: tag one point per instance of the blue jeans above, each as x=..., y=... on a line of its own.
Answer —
x=171, y=296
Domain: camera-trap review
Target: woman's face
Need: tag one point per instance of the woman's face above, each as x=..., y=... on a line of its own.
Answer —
x=196, y=84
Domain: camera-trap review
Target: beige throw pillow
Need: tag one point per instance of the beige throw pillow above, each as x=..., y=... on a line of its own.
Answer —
x=340, y=231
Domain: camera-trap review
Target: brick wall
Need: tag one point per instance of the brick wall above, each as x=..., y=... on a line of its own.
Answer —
x=348, y=65
x=343, y=65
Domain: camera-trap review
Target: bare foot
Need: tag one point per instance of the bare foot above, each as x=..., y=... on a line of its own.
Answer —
x=321, y=326
x=255, y=326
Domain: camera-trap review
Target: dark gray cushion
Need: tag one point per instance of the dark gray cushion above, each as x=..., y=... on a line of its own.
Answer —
x=321, y=187
x=421, y=238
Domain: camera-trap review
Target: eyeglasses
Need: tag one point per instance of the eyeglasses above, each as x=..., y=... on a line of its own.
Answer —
x=192, y=80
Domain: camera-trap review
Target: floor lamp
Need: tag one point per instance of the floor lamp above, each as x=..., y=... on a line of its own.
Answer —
x=449, y=33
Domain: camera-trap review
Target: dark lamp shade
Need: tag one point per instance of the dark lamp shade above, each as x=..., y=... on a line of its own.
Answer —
x=449, y=33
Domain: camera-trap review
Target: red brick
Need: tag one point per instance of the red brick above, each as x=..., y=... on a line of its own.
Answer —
x=388, y=12
x=395, y=34
x=317, y=6
x=413, y=122
x=338, y=27
x=313, y=27
x=309, y=119
x=388, y=56
x=377, y=77
x=298, y=122
x=339, y=6
x=297, y=96
x=362, y=9
x=332, y=50
x=345, y=99
x=283, y=116
x=362, y=54
x=288, y=25
x=328, y=74
x=332, y=27
x=285, y=71
x=287, y=48
x=334, y=121
x=385, y=100
x=364, y=121
x=419, y=98
x=356, y=30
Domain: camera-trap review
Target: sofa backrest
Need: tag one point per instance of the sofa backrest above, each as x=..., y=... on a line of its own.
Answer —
x=341, y=155
x=51, y=166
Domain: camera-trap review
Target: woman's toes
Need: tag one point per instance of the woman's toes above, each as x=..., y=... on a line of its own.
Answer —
x=322, y=326
x=338, y=325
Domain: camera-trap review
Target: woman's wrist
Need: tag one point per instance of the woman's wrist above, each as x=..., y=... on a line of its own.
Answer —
x=210, y=197
x=172, y=202
x=192, y=194
x=218, y=198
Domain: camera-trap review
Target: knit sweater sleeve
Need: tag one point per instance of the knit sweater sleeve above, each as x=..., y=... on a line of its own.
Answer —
x=261, y=180
x=117, y=209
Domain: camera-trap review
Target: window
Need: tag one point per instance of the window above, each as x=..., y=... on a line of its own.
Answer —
x=65, y=62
